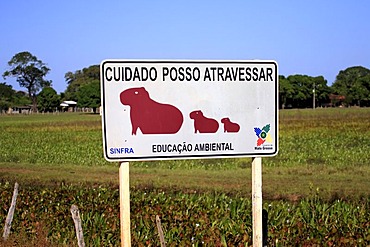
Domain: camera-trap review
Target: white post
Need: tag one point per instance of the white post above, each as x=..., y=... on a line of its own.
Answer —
x=78, y=226
x=257, y=201
x=9, y=217
x=124, y=198
x=314, y=100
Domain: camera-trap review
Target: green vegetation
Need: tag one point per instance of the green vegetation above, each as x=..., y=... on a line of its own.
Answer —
x=48, y=100
x=83, y=84
x=351, y=88
x=9, y=98
x=29, y=73
x=324, y=137
x=354, y=84
x=296, y=91
x=209, y=219
x=316, y=189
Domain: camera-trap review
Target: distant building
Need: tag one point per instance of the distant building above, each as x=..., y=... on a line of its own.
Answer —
x=336, y=100
x=20, y=109
x=69, y=105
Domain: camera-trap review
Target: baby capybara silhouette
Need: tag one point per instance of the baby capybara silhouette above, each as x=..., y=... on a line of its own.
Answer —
x=230, y=126
x=203, y=124
x=150, y=116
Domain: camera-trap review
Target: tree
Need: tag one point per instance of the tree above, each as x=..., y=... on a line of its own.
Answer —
x=48, y=99
x=21, y=99
x=286, y=92
x=303, y=91
x=354, y=84
x=6, y=96
x=79, y=78
x=29, y=72
x=363, y=91
x=89, y=95
x=321, y=90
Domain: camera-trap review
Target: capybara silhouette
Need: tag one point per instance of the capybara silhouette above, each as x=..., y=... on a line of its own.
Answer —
x=230, y=126
x=150, y=116
x=203, y=124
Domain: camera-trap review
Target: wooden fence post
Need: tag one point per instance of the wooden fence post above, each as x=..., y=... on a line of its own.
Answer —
x=9, y=217
x=160, y=231
x=77, y=220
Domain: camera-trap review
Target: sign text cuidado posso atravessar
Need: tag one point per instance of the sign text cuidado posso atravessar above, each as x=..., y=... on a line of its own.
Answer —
x=142, y=74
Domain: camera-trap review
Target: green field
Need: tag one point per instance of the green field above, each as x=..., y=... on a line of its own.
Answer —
x=317, y=189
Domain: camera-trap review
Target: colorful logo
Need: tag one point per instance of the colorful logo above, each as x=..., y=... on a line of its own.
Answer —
x=263, y=135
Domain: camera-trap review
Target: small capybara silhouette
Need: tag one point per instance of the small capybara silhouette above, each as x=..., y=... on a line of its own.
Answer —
x=150, y=116
x=203, y=124
x=230, y=126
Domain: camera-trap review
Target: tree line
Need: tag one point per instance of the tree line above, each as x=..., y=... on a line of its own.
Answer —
x=351, y=87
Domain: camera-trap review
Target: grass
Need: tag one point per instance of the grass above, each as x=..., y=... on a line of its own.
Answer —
x=324, y=148
x=287, y=183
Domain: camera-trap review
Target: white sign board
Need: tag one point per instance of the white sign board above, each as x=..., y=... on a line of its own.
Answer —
x=189, y=109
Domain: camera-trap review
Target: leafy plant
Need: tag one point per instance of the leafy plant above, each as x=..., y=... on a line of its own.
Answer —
x=187, y=218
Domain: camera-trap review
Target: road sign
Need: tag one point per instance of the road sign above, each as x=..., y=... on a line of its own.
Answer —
x=157, y=109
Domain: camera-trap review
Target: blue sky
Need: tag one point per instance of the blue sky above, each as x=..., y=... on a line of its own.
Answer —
x=305, y=37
